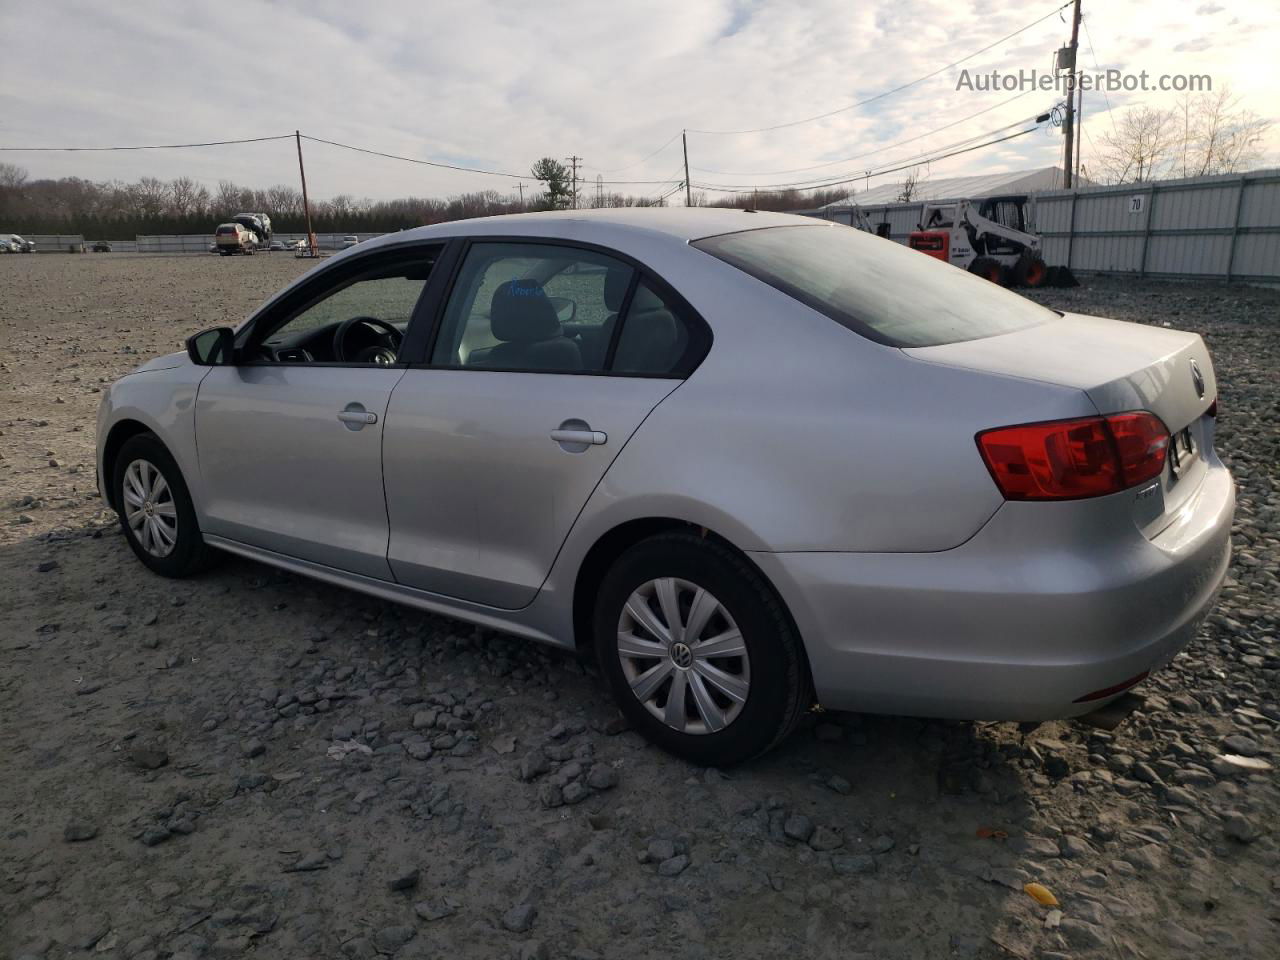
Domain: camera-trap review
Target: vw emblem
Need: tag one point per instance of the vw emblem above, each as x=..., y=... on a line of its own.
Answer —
x=681, y=655
x=1197, y=378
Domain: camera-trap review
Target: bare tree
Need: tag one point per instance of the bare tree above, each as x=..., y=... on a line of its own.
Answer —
x=1141, y=147
x=186, y=196
x=227, y=200
x=283, y=200
x=12, y=176
x=1218, y=136
x=152, y=196
x=909, y=187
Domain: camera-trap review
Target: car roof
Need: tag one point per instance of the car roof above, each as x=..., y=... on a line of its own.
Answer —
x=684, y=224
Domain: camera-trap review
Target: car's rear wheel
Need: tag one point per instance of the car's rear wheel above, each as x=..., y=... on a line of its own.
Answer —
x=155, y=509
x=701, y=656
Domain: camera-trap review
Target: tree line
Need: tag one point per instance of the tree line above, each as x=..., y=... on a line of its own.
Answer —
x=119, y=210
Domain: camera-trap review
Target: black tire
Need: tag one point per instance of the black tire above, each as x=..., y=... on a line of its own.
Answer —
x=989, y=269
x=780, y=689
x=189, y=554
x=1030, y=271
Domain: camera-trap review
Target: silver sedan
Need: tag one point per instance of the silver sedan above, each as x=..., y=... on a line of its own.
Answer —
x=749, y=462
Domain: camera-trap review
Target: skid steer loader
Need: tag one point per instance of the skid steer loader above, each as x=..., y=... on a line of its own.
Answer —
x=989, y=237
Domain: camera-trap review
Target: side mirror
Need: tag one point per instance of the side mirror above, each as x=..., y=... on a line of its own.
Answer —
x=212, y=348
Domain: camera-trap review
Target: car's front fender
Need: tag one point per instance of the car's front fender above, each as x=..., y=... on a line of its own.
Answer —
x=161, y=399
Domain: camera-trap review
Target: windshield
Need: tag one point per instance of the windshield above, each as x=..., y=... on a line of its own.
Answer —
x=875, y=287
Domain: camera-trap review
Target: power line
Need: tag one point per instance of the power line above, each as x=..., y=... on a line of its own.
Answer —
x=649, y=156
x=887, y=93
x=869, y=153
x=926, y=156
x=425, y=163
x=1084, y=22
x=451, y=166
x=870, y=173
x=150, y=146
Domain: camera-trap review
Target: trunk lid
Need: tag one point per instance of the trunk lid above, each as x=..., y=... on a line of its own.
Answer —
x=1120, y=366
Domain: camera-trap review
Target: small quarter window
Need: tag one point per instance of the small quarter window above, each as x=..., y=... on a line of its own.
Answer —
x=655, y=337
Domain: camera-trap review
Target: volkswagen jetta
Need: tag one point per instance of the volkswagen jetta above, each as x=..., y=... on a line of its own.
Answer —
x=750, y=461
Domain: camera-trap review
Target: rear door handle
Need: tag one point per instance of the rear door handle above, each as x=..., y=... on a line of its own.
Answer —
x=595, y=437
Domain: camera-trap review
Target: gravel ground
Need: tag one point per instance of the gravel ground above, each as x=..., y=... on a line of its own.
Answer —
x=249, y=762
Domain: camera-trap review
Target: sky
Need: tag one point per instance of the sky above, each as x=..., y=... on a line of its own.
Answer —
x=496, y=85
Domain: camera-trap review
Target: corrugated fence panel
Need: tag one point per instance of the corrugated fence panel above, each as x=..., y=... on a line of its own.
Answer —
x=1257, y=255
x=1261, y=207
x=1189, y=255
x=1181, y=209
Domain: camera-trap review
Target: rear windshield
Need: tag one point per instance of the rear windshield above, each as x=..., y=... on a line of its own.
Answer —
x=223, y=231
x=875, y=287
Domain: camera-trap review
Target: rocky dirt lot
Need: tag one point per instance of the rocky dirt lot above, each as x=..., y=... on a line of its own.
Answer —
x=252, y=764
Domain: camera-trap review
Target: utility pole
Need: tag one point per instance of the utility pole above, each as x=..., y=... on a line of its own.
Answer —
x=306, y=204
x=688, y=190
x=520, y=187
x=575, y=161
x=1079, y=121
x=1068, y=127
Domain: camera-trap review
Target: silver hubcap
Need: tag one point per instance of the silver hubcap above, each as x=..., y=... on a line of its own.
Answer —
x=683, y=656
x=149, y=508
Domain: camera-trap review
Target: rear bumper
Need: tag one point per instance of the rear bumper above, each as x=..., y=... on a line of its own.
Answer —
x=1046, y=604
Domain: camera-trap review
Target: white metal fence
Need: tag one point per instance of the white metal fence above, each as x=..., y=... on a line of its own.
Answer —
x=1224, y=228
x=200, y=243
x=56, y=242
x=1214, y=228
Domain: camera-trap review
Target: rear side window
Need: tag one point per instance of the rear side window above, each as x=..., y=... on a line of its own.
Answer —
x=554, y=308
x=875, y=287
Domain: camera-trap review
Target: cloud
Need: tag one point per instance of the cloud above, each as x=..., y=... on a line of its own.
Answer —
x=497, y=84
x=1205, y=9
x=1194, y=46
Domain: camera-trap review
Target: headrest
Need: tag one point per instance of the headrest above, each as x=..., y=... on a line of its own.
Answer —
x=659, y=327
x=521, y=313
x=616, y=281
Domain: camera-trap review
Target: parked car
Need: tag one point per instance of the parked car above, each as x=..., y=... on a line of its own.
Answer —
x=749, y=461
x=13, y=243
x=277, y=245
x=349, y=242
x=101, y=246
x=233, y=238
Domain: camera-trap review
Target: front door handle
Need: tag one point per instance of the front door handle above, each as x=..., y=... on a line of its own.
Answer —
x=356, y=417
x=592, y=437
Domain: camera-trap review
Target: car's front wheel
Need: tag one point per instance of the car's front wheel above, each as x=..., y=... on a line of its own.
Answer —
x=698, y=650
x=155, y=509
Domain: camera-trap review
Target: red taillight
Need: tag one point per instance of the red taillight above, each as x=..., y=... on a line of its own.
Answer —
x=1071, y=459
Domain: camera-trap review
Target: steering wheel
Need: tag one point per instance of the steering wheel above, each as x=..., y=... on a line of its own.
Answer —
x=377, y=353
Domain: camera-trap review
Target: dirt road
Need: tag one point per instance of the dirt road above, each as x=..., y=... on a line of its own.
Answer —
x=250, y=763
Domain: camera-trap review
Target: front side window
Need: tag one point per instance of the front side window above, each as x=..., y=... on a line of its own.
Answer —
x=360, y=318
x=882, y=290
